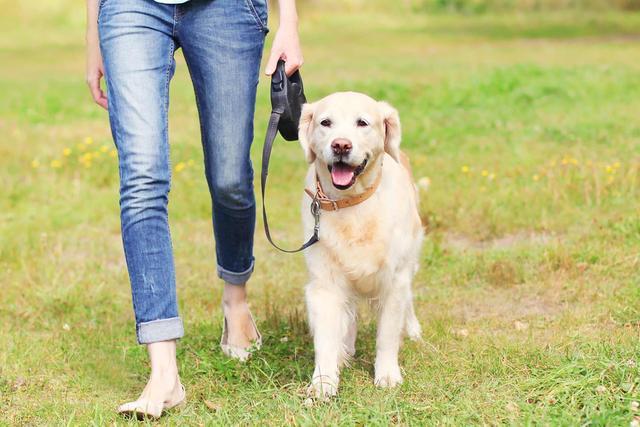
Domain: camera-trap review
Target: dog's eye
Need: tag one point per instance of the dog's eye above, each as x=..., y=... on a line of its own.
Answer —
x=361, y=123
x=326, y=123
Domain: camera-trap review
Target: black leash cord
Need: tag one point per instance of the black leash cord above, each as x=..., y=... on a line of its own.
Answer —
x=272, y=131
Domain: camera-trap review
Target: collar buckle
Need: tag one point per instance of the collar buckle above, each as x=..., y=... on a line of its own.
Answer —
x=315, y=211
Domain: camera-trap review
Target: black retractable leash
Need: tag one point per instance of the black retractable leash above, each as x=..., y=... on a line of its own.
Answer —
x=287, y=97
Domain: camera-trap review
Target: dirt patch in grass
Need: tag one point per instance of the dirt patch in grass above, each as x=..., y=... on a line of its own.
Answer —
x=507, y=305
x=460, y=242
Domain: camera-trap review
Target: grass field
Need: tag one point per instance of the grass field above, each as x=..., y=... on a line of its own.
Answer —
x=529, y=290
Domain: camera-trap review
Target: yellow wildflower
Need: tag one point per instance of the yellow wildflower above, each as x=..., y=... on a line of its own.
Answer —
x=88, y=140
x=180, y=166
x=536, y=177
x=113, y=153
x=35, y=163
x=56, y=164
x=616, y=165
x=66, y=152
x=85, y=159
x=465, y=169
x=104, y=149
x=485, y=172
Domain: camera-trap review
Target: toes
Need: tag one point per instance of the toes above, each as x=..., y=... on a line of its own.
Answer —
x=389, y=377
x=323, y=388
x=141, y=409
x=388, y=381
x=237, y=353
x=127, y=407
x=350, y=351
x=414, y=332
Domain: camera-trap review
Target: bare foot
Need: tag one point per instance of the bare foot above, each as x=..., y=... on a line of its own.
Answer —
x=163, y=390
x=241, y=329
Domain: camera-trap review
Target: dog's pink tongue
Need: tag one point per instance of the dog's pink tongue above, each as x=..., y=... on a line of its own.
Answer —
x=341, y=174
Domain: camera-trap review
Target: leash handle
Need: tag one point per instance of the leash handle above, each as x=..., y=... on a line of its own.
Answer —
x=272, y=131
x=287, y=98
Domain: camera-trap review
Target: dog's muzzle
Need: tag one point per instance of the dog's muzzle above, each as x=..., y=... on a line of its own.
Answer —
x=344, y=175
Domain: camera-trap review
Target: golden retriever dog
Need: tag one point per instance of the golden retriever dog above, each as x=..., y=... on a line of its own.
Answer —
x=367, y=249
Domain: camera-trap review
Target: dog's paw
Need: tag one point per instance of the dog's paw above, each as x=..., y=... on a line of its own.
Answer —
x=323, y=387
x=414, y=331
x=388, y=376
x=349, y=351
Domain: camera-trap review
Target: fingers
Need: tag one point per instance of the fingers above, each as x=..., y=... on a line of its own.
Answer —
x=291, y=65
x=102, y=101
x=272, y=62
x=291, y=62
x=96, y=92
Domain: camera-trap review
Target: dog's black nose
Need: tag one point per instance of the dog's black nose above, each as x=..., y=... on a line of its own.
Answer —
x=341, y=146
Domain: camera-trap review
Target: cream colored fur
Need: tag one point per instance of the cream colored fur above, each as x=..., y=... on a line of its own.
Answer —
x=370, y=250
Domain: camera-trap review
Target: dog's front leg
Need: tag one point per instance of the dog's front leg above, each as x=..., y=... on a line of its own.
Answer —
x=350, y=337
x=328, y=320
x=391, y=315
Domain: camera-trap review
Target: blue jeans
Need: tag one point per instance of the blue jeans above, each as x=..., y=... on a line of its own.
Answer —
x=222, y=42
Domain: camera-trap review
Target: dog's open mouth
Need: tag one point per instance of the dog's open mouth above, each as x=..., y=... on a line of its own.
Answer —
x=343, y=175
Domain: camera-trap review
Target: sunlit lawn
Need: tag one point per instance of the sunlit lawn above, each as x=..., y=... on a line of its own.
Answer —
x=526, y=127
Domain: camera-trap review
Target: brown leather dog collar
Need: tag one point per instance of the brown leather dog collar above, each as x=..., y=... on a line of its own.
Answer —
x=328, y=204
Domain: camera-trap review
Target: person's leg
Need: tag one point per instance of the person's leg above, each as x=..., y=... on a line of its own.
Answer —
x=222, y=41
x=137, y=46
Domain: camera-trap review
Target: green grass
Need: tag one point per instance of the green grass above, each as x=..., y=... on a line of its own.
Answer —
x=529, y=288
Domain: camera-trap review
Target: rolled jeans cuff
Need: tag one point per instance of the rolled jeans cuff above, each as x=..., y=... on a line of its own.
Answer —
x=235, y=278
x=160, y=330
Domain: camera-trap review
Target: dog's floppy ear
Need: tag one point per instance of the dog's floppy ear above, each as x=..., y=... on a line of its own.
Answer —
x=392, y=133
x=306, y=120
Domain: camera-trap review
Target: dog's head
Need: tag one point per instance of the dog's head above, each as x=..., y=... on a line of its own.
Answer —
x=346, y=132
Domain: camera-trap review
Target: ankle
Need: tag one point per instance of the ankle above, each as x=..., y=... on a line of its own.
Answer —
x=164, y=372
x=234, y=295
x=162, y=356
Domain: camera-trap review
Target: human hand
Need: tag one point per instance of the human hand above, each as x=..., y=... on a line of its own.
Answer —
x=286, y=46
x=95, y=68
